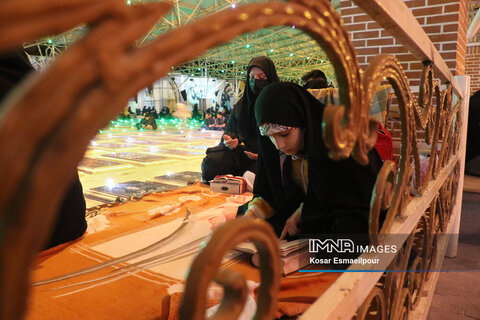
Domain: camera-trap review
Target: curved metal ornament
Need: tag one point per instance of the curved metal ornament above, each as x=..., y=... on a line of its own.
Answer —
x=204, y=269
x=374, y=306
x=108, y=70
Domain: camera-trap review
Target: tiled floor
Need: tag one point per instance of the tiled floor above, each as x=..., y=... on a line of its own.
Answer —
x=457, y=295
x=121, y=153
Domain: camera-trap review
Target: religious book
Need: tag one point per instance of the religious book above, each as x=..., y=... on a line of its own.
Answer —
x=294, y=255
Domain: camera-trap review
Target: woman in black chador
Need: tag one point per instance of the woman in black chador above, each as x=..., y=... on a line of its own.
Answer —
x=70, y=222
x=238, y=148
x=298, y=188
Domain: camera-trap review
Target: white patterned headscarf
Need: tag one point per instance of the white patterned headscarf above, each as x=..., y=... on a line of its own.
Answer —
x=268, y=129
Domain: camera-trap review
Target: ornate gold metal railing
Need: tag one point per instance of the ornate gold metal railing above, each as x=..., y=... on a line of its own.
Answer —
x=92, y=81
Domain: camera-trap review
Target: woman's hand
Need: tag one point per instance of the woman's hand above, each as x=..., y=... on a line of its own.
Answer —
x=291, y=226
x=229, y=142
x=250, y=215
x=251, y=155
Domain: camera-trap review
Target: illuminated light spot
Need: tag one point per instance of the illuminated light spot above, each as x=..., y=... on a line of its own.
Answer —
x=326, y=14
x=334, y=34
x=243, y=16
x=94, y=143
x=234, y=5
x=153, y=149
x=321, y=22
x=293, y=27
x=348, y=58
x=289, y=10
x=268, y=11
x=291, y=54
x=130, y=140
x=308, y=58
x=341, y=22
x=169, y=173
x=271, y=50
x=110, y=183
x=247, y=46
x=303, y=23
x=307, y=15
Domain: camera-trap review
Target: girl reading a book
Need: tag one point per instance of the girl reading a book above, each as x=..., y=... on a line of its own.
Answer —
x=298, y=188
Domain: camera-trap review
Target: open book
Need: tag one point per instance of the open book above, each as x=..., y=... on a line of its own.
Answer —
x=294, y=255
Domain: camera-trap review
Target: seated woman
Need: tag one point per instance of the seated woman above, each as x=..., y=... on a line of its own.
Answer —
x=298, y=188
x=237, y=152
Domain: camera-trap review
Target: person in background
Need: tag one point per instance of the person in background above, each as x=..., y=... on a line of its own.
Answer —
x=209, y=122
x=150, y=123
x=219, y=122
x=315, y=79
x=165, y=113
x=70, y=223
x=196, y=114
x=154, y=113
x=238, y=149
x=125, y=115
x=298, y=188
x=472, y=156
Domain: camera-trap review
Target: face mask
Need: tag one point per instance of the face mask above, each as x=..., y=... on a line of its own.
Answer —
x=257, y=85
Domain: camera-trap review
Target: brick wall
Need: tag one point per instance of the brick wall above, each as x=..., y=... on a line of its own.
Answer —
x=472, y=67
x=444, y=21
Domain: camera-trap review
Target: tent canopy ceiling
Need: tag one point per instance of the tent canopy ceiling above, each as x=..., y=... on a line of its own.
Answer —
x=293, y=51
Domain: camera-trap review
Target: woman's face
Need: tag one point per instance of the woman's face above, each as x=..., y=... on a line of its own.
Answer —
x=289, y=142
x=257, y=73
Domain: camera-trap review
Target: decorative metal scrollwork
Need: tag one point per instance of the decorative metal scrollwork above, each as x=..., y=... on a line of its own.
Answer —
x=204, y=270
x=105, y=71
x=374, y=306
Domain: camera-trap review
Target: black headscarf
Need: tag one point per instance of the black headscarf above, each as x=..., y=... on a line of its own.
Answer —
x=70, y=222
x=243, y=116
x=339, y=192
x=14, y=66
x=473, y=131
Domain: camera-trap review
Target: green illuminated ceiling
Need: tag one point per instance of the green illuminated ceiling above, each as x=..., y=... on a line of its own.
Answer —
x=293, y=52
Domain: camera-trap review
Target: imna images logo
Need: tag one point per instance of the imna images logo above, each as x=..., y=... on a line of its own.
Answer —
x=346, y=246
x=330, y=245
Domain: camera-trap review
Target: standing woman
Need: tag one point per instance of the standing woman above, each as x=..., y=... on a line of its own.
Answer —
x=238, y=149
x=298, y=188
